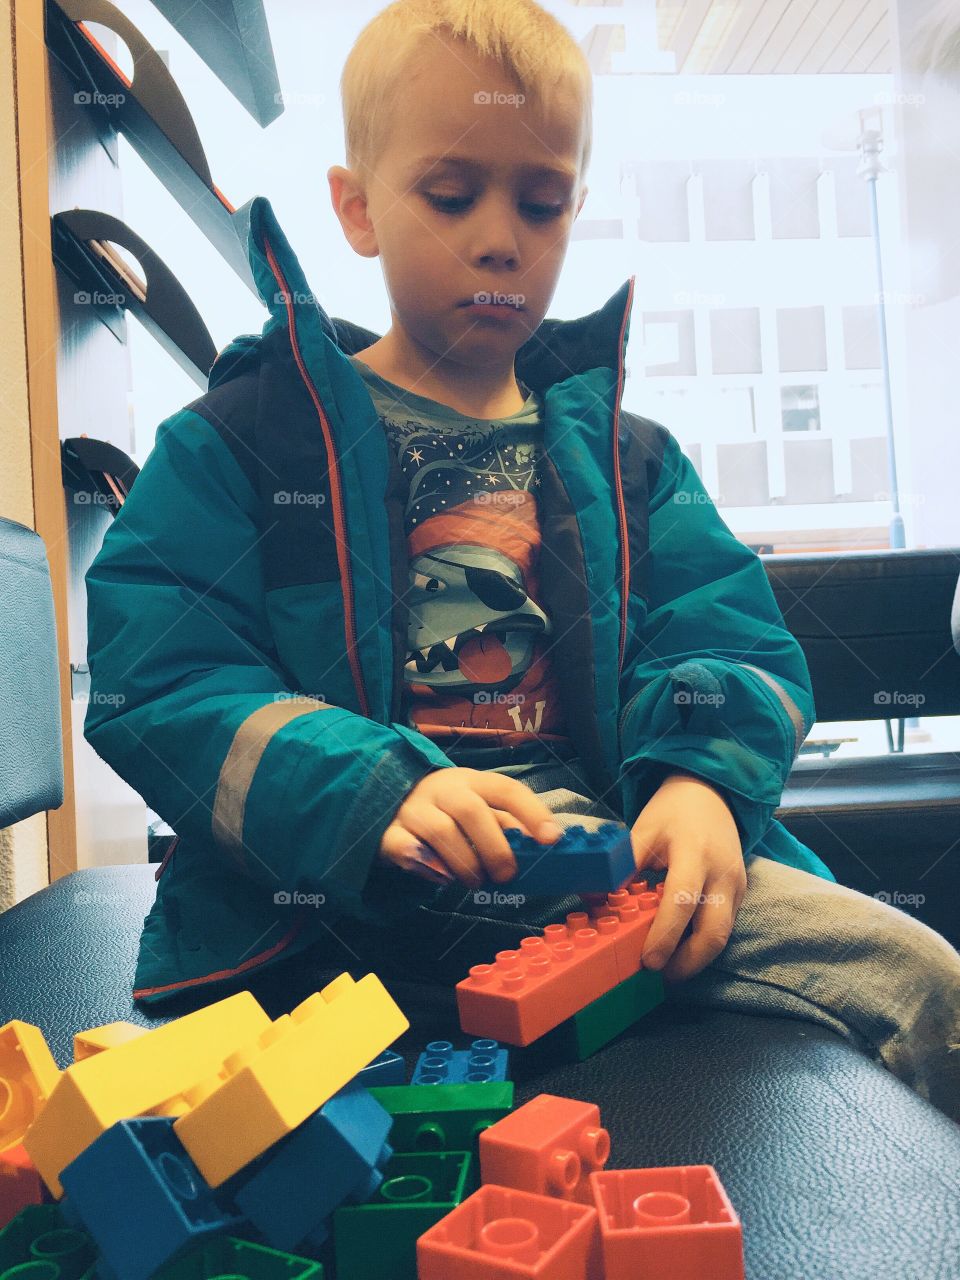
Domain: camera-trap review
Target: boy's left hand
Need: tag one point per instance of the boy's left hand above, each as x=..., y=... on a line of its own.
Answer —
x=687, y=827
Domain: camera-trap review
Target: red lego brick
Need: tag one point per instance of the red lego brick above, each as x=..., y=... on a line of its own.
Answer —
x=675, y=1222
x=527, y=992
x=549, y=1147
x=636, y=908
x=20, y=1184
x=500, y=1232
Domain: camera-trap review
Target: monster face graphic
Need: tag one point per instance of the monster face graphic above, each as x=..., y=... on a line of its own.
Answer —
x=472, y=624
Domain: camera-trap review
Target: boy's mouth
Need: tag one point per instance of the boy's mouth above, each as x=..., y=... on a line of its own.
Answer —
x=491, y=300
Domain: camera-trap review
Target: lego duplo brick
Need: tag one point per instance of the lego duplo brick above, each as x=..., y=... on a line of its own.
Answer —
x=263, y=1092
x=335, y=1156
x=228, y=1258
x=528, y=991
x=674, y=1221
x=549, y=1146
x=40, y=1237
x=440, y=1063
x=20, y=1183
x=502, y=1232
x=443, y=1117
x=28, y=1076
x=636, y=908
x=96, y=1039
x=139, y=1195
x=600, y=1022
x=143, y=1075
x=579, y=861
x=378, y=1240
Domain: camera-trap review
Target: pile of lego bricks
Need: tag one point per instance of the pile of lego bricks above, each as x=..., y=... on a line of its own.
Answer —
x=226, y=1144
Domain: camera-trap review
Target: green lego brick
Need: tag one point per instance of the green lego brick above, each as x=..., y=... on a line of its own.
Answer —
x=378, y=1240
x=601, y=1021
x=41, y=1235
x=443, y=1117
x=227, y=1258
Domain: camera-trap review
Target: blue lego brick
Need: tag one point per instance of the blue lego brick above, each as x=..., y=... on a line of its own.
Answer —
x=581, y=861
x=334, y=1157
x=387, y=1068
x=140, y=1197
x=440, y=1063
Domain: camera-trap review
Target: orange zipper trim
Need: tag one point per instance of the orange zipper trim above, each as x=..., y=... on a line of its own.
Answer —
x=343, y=554
x=621, y=506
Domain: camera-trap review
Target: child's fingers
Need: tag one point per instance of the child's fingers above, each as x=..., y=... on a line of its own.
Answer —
x=525, y=806
x=402, y=845
x=507, y=819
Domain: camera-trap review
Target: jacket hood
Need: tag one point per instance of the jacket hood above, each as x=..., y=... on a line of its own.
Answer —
x=557, y=350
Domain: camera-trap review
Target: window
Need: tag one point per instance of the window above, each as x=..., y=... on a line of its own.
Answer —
x=800, y=408
x=735, y=340
x=801, y=339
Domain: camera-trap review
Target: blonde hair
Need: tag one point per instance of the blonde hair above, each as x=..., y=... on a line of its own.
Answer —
x=532, y=46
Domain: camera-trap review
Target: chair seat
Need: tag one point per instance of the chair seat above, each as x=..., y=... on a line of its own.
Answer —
x=886, y=825
x=835, y=1166
x=928, y=782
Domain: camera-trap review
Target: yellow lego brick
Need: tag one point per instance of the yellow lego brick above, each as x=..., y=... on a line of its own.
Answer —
x=96, y=1039
x=28, y=1075
x=137, y=1078
x=264, y=1091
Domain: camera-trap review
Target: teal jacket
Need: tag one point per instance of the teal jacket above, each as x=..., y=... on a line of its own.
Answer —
x=247, y=630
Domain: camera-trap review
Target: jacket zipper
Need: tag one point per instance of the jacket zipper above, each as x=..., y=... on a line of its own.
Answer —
x=343, y=551
x=618, y=486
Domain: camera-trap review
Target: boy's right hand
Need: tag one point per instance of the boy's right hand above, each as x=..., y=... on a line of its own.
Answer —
x=449, y=808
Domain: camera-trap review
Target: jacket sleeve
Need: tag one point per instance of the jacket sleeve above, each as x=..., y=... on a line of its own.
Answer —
x=714, y=685
x=188, y=702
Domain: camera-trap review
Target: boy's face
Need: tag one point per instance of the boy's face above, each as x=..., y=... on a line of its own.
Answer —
x=447, y=230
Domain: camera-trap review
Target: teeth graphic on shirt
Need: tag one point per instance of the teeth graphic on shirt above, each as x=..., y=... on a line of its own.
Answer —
x=446, y=651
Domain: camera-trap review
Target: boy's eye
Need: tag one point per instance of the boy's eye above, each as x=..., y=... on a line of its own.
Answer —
x=458, y=204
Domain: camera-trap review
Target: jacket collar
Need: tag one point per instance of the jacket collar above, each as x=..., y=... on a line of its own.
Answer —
x=559, y=349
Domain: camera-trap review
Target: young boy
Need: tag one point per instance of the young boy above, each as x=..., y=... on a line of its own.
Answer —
x=373, y=599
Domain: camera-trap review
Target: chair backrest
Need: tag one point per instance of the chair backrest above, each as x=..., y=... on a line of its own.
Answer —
x=875, y=627
x=31, y=750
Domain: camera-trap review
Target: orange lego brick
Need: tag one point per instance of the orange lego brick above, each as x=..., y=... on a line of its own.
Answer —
x=500, y=1233
x=96, y=1039
x=675, y=1222
x=527, y=992
x=273, y=1084
x=137, y=1078
x=549, y=1146
x=28, y=1075
x=636, y=908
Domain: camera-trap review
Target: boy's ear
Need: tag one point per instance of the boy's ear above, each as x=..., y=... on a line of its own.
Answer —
x=350, y=205
x=583, y=196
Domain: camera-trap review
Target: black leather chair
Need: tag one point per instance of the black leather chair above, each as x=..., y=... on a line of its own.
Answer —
x=881, y=634
x=836, y=1168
